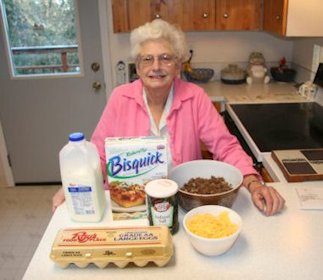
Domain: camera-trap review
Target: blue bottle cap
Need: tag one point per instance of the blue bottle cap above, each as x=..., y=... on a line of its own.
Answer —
x=76, y=136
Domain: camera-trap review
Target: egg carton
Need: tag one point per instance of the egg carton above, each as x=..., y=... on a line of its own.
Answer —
x=118, y=245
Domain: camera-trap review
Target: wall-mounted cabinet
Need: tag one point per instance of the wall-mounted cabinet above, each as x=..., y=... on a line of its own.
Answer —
x=238, y=15
x=191, y=15
x=293, y=17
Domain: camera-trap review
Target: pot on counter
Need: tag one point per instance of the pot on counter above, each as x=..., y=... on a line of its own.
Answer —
x=232, y=74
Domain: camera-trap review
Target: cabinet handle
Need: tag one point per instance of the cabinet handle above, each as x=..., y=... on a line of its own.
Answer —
x=157, y=16
x=225, y=15
x=277, y=17
x=205, y=15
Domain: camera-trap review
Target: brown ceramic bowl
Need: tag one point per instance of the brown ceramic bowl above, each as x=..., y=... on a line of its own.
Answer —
x=182, y=173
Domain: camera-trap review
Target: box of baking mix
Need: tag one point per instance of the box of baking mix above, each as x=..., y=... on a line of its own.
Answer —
x=131, y=162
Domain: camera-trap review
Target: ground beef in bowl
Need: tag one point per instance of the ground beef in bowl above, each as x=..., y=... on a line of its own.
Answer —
x=213, y=185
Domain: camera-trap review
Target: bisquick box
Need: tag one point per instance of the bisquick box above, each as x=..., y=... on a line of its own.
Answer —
x=136, y=160
x=120, y=246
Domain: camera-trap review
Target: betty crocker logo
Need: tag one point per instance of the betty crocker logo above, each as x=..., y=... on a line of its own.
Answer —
x=83, y=237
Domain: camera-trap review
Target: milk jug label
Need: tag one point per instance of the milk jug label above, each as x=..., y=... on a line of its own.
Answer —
x=82, y=199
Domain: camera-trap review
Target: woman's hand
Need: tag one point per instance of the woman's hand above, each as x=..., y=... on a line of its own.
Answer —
x=267, y=199
x=58, y=199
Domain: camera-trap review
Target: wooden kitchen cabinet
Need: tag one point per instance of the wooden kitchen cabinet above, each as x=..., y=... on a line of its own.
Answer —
x=293, y=17
x=275, y=16
x=198, y=15
x=129, y=14
x=190, y=15
x=238, y=15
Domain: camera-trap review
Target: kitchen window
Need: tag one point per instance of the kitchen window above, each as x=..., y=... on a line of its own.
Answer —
x=41, y=37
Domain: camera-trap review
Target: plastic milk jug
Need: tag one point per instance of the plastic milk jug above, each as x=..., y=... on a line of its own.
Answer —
x=82, y=179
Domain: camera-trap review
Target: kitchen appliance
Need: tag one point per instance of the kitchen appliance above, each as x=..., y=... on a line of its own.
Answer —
x=279, y=126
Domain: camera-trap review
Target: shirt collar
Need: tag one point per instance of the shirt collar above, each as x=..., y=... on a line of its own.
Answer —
x=162, y=124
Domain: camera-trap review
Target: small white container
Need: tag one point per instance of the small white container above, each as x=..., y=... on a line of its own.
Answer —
x=82, y=179
x=162, y=203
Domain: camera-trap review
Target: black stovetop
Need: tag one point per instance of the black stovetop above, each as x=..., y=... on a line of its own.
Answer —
x=282, y=126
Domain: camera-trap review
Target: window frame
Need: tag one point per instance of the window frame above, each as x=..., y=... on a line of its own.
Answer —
x=9, y=55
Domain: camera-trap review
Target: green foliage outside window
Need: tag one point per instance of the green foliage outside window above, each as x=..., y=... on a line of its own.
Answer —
x=41, y=23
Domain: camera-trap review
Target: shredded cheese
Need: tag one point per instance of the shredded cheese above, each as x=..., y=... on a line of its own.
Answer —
x=211, y=226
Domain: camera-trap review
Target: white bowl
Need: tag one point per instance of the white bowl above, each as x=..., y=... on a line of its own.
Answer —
x=213, y=246
x=182, y=173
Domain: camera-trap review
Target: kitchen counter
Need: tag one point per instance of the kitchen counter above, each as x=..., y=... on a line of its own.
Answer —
x=256, y=93
x=284, y=246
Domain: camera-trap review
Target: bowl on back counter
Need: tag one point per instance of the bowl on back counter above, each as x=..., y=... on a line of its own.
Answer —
x=197, y=187
x=199, y=75
x=283, y=75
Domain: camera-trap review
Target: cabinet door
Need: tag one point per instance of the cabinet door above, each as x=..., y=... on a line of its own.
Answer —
x=275, y=16
x=239, y=14
x=293, y=18
x=129, y=14
x=198, y=15
x=190, y=15
x=120, y=16
x=169, y=10
x=139, y=12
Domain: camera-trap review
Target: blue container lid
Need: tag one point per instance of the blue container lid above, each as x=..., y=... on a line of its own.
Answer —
x=76, y=136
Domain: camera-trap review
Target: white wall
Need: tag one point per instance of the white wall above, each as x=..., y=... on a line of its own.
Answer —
x=303, y=55
x=217, y=49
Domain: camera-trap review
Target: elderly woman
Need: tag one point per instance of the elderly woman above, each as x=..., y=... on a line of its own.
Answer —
x=159, y=103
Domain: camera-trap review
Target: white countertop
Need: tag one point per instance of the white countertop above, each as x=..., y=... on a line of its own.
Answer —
x=285, y=246
x=255, y=93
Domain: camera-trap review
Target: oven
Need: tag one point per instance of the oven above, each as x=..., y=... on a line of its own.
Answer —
x=276, y=126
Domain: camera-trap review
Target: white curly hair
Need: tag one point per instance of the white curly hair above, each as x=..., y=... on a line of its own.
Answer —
x=159, y=29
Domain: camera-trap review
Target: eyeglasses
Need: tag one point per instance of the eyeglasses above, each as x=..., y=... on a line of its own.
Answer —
x=164, y=59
